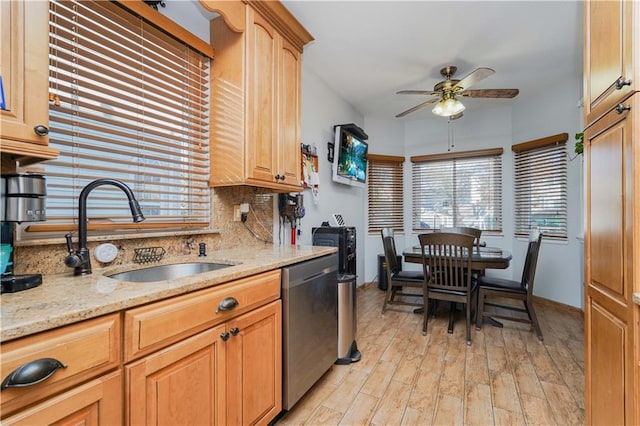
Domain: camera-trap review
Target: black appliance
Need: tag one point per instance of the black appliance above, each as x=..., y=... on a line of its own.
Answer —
x=343, y=237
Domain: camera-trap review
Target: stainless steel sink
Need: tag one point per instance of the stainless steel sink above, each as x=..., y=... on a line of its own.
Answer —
x=167, y=272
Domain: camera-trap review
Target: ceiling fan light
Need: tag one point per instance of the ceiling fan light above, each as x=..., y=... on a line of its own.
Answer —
x=448, y=107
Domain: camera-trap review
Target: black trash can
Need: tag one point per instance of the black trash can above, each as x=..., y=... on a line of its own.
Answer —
x=382, y=271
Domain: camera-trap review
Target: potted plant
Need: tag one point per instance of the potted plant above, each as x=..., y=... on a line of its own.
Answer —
x=579, y=147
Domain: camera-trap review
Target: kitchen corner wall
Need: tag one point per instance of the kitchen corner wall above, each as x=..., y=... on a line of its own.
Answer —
x=39, y=257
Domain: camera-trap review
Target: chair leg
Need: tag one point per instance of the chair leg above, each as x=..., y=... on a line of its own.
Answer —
x=425, y=314
x=468, y=322
x=534, y=319
x=388, y=297
x=452, y=312
x=480, y=309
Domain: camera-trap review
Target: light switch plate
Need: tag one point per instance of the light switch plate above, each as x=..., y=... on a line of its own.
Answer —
x=236, y=213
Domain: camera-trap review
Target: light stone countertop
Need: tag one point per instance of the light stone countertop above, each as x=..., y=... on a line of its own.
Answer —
x=636, y=298
x=64, y=299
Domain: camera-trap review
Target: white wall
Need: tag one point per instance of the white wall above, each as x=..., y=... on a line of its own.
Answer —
x=555, y=110
x=560, y=265
x=485, y=127
x=322, y=108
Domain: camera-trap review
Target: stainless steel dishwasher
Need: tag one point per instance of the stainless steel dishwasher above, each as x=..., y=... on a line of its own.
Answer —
x=310, y=324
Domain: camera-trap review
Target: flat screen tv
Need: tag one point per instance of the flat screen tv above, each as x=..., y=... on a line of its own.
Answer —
x=350, y=158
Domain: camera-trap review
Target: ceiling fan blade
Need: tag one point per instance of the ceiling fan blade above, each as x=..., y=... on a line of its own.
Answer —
x=476, y=75
x=490, y=93
x=416, y=92
x=417, y=107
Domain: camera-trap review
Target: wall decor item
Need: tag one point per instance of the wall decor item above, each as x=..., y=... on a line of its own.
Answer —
x=310, y=177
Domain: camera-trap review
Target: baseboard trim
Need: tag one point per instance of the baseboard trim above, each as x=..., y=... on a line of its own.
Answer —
x=558, y=305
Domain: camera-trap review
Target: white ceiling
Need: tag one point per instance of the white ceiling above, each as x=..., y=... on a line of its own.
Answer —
x=368, y=50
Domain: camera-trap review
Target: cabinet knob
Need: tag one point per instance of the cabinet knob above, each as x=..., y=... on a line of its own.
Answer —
x=234, y=331
x=621, y=82
x=41, y=130
x=31, y=373
x=620, y=108
x=224, y=336
x=278, y=177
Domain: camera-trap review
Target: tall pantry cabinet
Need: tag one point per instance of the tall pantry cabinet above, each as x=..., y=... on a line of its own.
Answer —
x=612, y=205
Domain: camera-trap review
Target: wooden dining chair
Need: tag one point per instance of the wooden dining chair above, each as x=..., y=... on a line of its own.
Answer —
x=397, y=279
x=491, y=288
x=446, y=264
x=465, y=230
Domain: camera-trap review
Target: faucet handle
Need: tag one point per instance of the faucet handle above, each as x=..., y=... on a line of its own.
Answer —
x=69, y=243
x=73, y=259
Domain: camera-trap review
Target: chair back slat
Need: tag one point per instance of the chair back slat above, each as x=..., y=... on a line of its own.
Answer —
x=530, y=262
x=446, y=260
x=389, y=246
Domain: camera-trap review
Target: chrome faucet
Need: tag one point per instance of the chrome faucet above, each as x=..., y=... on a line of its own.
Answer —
x=80, y=259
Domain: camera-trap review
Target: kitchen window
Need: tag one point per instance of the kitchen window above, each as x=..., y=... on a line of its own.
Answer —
x=385, y=191
x=540, y=170
x=458, y=189
x=128, y=101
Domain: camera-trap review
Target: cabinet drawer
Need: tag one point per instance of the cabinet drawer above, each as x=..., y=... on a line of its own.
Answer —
x=86, y=349
x=151, y=327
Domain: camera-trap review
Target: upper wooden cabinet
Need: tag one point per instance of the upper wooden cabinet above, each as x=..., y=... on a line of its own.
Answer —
x=611, y=55
x=255, y=95
x=24, y=68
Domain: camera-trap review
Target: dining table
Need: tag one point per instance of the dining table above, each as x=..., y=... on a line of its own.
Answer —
x=481, y=258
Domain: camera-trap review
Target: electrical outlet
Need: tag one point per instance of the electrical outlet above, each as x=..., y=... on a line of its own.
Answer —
x=236, y=213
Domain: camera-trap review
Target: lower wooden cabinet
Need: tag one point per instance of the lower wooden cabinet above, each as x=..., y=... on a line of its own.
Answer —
x=97, y=402
x=229, y=374
x=254, y=366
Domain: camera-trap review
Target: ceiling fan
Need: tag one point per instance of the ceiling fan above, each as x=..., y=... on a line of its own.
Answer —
x=449, y=90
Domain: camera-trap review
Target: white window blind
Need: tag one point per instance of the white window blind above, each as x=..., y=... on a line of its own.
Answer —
x=385, y=191
x=458, y=189
x=129, y=102
x=540, y=170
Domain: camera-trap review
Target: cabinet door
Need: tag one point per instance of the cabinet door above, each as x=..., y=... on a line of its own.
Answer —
x=182, y=384
x=254, y=362
x=24, y=69
x=289, y=114
x=262, y=51
x=608, y=55
x=98, y=402
x=610, y=154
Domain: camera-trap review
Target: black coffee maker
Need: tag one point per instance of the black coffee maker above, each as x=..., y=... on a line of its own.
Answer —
x=23, y=200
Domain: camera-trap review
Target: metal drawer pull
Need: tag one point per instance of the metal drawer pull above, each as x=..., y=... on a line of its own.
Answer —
x=234, y=331
x=227, y=304
x=621, y=82
x=620, y=108
x=32, y=373
x=224, y=336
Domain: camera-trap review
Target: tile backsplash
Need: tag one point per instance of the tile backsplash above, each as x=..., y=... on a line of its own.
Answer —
x=49, y=258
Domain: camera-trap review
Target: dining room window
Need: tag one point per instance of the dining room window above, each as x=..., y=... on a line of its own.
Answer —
x=128, y=101
x=385, y=192
x=540, y=186
x=458, y=189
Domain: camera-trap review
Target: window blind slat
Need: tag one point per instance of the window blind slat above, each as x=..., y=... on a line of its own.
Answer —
x=133, y=107
x=540, y=189
x=458, y=190
x=385, y=193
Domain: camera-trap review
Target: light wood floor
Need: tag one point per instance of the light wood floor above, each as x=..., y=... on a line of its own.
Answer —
x=404, y=378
